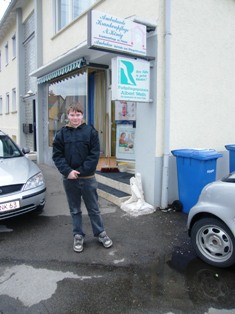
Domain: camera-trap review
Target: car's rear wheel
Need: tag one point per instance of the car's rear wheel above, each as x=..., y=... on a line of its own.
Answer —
x=213, y=242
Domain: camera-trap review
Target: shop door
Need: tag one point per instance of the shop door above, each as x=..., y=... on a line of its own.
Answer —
x=97, y=106
x=34, y=126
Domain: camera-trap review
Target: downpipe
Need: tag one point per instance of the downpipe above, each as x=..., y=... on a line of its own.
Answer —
x=165, y=167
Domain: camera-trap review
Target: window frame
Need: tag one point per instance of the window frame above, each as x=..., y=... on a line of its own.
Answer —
x=7, y=107
x=13, y=38
x=1, y=105
x=6, y=53
x=13, y=96
x=70, y=16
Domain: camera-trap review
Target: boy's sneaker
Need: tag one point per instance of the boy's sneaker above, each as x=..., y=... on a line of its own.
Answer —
x=78, y=243
x=105, y=240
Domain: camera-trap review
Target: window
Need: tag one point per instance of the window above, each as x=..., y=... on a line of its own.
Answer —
x=7, y=103
x=62, y=93
x=6, y=53
x=13, y=46
x=68, y=10
x=1, y=105
x=13, y=100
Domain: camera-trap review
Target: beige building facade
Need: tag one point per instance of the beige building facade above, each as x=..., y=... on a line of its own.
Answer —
x=189, y=47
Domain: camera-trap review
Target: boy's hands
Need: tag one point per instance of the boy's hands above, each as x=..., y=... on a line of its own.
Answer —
x=73, y=175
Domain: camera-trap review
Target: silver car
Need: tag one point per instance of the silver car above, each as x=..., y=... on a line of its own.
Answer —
x=211, y=223
x=22, y=187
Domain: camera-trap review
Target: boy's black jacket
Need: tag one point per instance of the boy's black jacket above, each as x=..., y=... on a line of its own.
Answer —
x=76, y=149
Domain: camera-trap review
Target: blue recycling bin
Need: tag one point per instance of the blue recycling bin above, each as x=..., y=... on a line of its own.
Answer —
x=231, y=149
x=195, y=169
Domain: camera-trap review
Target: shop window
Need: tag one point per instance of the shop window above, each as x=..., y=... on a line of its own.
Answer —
x=62, y=93
x=68, y=10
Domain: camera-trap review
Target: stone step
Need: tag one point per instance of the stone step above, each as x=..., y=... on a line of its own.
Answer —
x=113, y=195
x=114, y=187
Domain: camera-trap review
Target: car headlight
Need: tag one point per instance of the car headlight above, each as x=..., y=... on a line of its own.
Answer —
x=34, y=182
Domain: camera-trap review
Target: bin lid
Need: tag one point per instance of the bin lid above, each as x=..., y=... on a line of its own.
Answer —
x=200, y=154
x=230, y=147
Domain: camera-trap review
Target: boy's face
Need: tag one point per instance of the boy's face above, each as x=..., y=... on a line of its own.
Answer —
x=75, y=118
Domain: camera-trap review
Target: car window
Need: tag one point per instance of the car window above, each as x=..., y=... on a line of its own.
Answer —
x=229, y=178
x=8, y=148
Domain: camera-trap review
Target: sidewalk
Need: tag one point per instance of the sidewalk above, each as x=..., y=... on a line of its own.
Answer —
x=136, y=240
x=55, y=193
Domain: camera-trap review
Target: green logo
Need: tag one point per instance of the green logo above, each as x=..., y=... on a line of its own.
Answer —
x=126, y=70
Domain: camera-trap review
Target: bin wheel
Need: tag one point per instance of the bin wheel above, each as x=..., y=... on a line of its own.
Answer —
x=177, y=206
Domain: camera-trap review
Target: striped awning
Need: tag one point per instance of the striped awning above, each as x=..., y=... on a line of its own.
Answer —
x=62, y=71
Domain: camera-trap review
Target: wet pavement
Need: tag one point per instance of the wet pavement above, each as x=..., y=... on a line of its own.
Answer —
x=151, y=267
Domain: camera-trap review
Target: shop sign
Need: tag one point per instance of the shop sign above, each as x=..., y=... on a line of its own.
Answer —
x=108, y=32
x=130, y=79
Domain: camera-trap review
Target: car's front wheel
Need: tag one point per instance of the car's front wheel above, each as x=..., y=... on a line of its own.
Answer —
x=213, y=242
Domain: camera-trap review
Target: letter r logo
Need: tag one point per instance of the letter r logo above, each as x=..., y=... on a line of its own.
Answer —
x=126, y=70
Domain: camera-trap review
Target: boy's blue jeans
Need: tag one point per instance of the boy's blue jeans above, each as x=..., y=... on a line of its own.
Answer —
x=86, y=189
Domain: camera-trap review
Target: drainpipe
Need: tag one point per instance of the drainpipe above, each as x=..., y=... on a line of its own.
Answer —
x=164, y=194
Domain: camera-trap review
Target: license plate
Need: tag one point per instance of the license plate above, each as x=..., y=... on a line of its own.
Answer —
x=9, y=206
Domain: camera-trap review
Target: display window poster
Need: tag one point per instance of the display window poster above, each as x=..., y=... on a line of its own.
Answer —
x=125, y=141
x=125, y=111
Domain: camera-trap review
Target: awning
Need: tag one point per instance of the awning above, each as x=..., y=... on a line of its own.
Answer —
x=62, y=71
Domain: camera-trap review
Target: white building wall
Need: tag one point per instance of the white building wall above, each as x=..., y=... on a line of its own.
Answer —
x=203, y=74
x=9, y=74
x=202, y=80
x=8, y=81
x=75, y=33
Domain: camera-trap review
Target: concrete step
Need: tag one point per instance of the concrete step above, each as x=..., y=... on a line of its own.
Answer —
x=114, y=187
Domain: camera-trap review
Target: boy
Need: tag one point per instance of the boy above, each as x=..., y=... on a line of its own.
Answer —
x=76, y=152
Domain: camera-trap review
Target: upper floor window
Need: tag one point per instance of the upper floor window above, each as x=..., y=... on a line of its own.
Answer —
x=6, y=54
x=7, y=103
x=13, y=46
x=1, y=105
x=13, y=100
x=68, y=10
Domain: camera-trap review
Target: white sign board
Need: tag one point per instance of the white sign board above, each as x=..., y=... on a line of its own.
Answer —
x=130, y=79
x=109, y=32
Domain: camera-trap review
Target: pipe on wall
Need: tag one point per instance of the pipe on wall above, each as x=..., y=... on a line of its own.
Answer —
x=166, y=142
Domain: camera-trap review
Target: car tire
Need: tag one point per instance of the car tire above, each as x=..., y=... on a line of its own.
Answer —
x=213, y=242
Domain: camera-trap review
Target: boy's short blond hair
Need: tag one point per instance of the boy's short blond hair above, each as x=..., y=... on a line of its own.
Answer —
x=75, y=106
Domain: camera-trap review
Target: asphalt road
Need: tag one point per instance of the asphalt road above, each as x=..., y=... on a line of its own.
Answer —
x=151, y=267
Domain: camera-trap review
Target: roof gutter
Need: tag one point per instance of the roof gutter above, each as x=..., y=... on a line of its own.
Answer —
x=7, y=12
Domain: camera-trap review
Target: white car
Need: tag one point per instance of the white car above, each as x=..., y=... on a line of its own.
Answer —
x=22, y=186
x=211, y=223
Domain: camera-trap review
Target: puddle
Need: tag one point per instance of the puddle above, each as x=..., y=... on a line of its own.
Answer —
x=5, y=229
